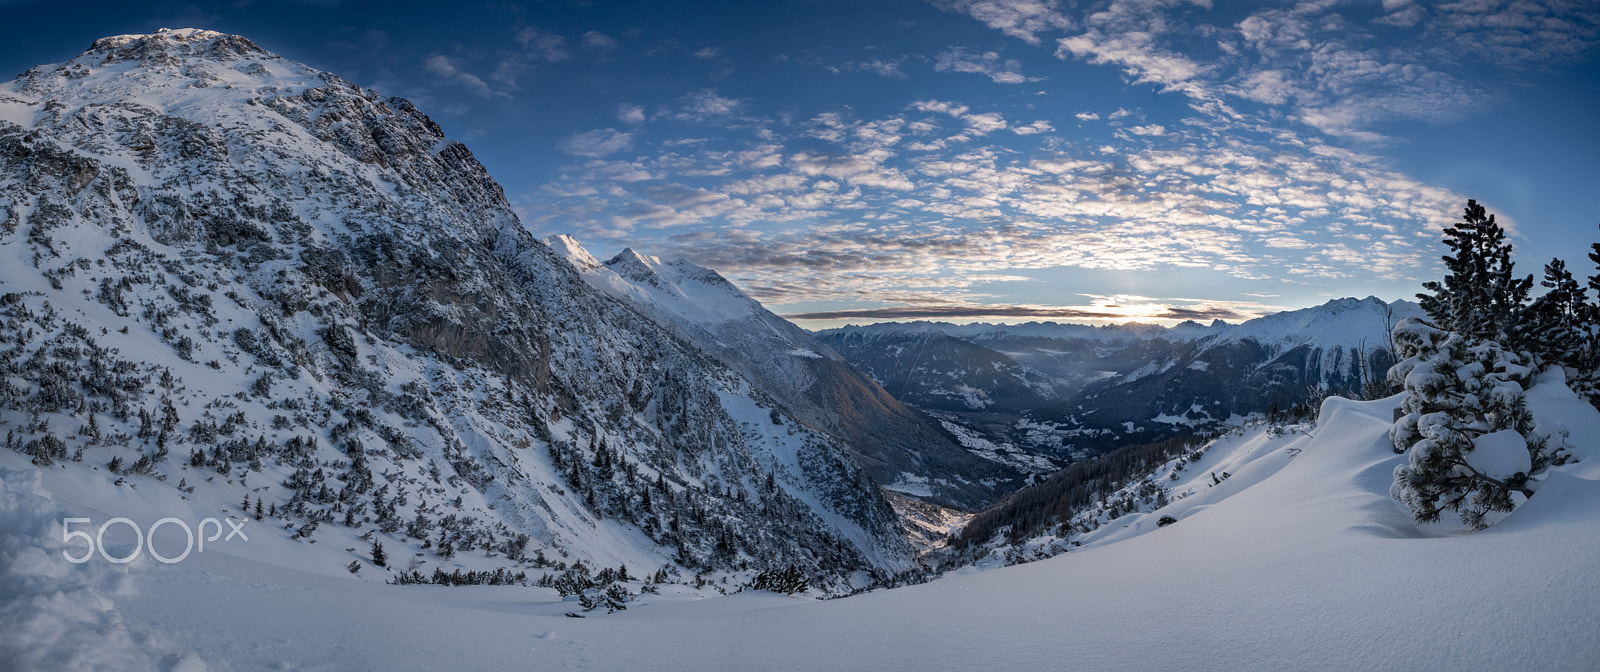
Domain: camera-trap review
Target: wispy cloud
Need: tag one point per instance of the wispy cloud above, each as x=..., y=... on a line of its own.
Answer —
x=888, y=67
x=704, y=106
x=1334, y=76
x=1011, y=312
x=597, y=143
x=630, y=114
x=595, y=40
x=919, y=203
x=447, y=71
x=543, y=45
x=1022, y=19
x=988, y=64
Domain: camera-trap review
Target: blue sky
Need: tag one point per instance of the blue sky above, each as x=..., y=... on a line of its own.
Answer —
x=1002, y=160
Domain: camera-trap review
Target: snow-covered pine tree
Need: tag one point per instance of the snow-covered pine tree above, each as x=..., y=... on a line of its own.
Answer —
x=1463, y=419
x=1465, y=425
x=1480, y=297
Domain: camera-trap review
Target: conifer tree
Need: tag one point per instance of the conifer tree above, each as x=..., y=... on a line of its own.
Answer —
x=1465, y=425
x=1555, y=323
x=1480, y=298
x=379, y=558
x=1463, y=420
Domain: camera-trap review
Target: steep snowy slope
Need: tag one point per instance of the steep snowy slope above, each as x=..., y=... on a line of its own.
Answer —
x=225, y=271
x=1298, y=561
x=899, y=448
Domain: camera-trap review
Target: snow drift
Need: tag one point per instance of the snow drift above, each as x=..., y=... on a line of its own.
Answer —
x=1298, y=560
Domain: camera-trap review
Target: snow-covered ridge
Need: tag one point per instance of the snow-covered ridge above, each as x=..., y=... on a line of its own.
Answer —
x=1343, y=322
x=332, y=310
x=801, y=372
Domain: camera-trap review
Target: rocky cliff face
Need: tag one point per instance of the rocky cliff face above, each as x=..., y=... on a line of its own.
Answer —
x=209, y=250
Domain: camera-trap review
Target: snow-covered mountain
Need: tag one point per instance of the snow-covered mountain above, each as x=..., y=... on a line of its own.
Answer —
x=1298, y=559
x=233, y=277
x=1062, y=392
x=899, y=448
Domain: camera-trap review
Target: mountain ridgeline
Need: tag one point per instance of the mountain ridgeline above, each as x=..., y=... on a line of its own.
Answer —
x=1065, y=392
x=226, y=270
x=901, y=448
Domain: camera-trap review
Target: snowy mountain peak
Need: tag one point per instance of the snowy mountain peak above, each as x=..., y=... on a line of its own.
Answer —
x=204, y=76
x=166, y=45
x=569, y=248
x=636, y=267
x=1345, y=323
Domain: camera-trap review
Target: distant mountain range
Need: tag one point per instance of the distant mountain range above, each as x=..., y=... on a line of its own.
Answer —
x=1066, y=392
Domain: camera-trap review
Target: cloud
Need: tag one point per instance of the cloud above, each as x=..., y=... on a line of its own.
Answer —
x=1334, y=76
x=876, y=66
x=1140, y=59
x=542, y=44
x=448, y=72
x=1087, y=116
x=1022, y=19
x=1514, y=34
x=708, y=53
x=597, y=143
x=939, y=310
x=920, y=203
x=988, y=64
x=976, y=124
x=941, y=107
x=1040, y=126
x=1402, y=14
x=704, y=106
x=862, y=169
x=595, y=40
x=630, y=114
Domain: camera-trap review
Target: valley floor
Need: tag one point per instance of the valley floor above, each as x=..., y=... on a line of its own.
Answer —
x=1299, y=561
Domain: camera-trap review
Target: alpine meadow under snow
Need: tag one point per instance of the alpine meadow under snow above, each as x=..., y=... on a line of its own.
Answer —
x=286, y=384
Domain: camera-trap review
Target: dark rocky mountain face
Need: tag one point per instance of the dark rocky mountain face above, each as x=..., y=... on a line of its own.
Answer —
x=300, y=278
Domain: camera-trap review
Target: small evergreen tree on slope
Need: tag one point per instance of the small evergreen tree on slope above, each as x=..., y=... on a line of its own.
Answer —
x=1465, y=425
x=1464, y=421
